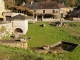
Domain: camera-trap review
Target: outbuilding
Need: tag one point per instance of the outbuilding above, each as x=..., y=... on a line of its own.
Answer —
x=19, y=24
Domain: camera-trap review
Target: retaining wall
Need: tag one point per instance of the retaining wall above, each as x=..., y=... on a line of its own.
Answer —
x=50, y=20
x=76, y=18
x=14, y=43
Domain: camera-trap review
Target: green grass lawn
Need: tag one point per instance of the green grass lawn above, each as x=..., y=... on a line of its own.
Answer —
x=41, y=36
x=45, y=35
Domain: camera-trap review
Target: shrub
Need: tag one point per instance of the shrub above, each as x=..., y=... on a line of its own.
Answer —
x=73, y=25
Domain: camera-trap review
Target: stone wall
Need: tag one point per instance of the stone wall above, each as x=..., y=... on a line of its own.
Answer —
x=32, y=20
x=14, y=43
x=49, y=11
x=50, y=20
x=76, y=18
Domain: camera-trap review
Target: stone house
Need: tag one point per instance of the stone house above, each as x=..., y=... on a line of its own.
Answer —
x=45, y=10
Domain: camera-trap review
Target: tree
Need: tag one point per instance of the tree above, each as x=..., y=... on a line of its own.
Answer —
x=19, y=2
x=67, y=2
x=9, y=3
x=78, y=3
x=27, y=1
x=73, y=3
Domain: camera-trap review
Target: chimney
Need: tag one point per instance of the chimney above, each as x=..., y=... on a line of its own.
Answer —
x=23, y=3
x=62, y=3
x=31, y=2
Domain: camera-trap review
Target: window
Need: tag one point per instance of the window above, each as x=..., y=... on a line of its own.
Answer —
x=34, y=10
x=43, y=11
x=53, y=11
x=40, y=5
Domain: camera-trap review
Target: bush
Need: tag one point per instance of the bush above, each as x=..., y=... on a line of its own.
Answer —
x=73, y=25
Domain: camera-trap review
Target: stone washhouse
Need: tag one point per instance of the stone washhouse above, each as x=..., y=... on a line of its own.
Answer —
x=19, y=24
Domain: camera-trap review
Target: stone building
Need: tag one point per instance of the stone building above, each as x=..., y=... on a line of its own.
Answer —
x=19, y=24
x=41, y=10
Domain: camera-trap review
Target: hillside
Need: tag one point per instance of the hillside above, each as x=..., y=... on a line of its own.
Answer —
x=45, y=35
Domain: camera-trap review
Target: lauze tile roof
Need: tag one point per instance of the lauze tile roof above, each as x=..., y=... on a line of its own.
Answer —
x=43, y=5
x=20, y=17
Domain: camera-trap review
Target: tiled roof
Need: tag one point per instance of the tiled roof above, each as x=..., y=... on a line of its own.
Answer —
x=20, y=17
x=35, y=5
x=43, y=5
x=49, y=5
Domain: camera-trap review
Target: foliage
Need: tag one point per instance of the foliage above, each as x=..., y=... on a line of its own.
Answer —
x=73, y=24
x=78, y=2
x=3, y=29
x=5, y=34
x=73, y=3
x=19, y=2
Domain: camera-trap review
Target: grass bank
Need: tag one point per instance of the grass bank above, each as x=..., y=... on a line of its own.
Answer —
x=45, y=35
x=51, y=34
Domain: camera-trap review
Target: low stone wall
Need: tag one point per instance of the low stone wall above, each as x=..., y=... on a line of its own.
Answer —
x=14, y=43
x=50, y=20
x=32, y=20
x=76, y=18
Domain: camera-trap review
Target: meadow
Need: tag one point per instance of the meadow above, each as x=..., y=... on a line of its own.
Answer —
x=40, y=36
x=50, y=34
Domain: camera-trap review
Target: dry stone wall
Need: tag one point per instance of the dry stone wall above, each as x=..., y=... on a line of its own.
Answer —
x=14, y=43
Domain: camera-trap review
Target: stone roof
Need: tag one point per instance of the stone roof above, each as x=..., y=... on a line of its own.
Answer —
x=20, y=17
x=43, y=5
x=35, y=5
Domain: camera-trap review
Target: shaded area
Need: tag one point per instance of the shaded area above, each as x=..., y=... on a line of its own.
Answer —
x=57, y=47
x=1, y=19
x=68, y=46
x=18, y=30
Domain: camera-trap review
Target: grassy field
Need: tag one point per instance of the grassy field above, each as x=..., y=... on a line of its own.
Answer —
x=41, y=36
